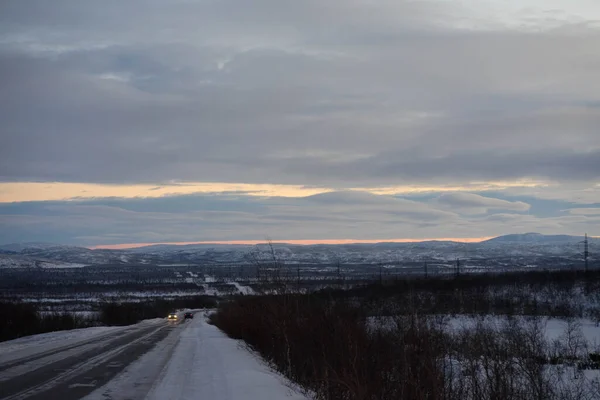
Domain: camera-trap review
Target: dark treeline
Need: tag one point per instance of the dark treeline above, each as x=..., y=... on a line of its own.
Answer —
x=551, y=293
x=23, y=319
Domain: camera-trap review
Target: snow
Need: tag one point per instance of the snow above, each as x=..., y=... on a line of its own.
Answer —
x=35, y=344
x=61, y=265
x=138, y=379
x=198, y=361
x=243, y=289
x=554, y=328
x=207, y=364
x=78, y=314
x=19, y=261
x=29, y=345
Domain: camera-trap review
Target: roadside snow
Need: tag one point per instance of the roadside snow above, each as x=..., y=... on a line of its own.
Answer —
x=197, y=361
x=206, y=364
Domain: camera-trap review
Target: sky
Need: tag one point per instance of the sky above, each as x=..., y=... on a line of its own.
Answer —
x=226, y=120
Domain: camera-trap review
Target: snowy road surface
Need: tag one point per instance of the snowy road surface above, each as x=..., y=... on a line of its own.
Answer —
x=153, y=360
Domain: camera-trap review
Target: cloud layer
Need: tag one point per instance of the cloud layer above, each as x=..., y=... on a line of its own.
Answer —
x=337, y=95
x=334, y=215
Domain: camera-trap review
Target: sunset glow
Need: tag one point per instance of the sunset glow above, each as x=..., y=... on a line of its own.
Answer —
x=53, y=191
x=296, y=242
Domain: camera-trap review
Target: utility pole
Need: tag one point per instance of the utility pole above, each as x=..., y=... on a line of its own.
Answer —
x=425, y=270
x=457, y=267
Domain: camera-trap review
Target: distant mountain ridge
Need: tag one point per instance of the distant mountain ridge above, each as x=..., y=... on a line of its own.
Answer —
x=530, y=237
x=18, y=247
x=527, y=247
x=533, y=237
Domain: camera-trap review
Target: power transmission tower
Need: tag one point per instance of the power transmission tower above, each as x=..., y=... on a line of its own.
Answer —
x=586, y=252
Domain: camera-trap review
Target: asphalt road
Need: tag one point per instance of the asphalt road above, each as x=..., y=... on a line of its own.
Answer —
x=73, y=371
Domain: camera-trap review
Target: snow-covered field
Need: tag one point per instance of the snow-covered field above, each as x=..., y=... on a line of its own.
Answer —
x=553, y=327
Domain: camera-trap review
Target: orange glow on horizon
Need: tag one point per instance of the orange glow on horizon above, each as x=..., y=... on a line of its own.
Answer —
x=304, y=242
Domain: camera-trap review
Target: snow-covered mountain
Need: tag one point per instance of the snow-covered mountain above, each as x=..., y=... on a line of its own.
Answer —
x=525, y=247
x=536, y=238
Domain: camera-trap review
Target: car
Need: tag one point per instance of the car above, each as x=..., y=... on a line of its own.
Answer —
x=173, y=317
x=188, y=315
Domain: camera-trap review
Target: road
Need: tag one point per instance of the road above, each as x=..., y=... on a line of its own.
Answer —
x=72, y=371
x=152, y=360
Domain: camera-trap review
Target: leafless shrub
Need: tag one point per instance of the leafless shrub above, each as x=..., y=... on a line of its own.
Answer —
x=324, y=343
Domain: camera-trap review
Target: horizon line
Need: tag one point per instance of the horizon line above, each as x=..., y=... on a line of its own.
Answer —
x=302, y=242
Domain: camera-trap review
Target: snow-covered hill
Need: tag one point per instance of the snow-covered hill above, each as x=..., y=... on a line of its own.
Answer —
x=537, y=238
x=525, y=247
x=20, y=261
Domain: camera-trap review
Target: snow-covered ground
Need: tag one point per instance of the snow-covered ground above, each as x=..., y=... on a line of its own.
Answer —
x=242, y=289
x=18, y=261
x=554, y=328
x=198, y=362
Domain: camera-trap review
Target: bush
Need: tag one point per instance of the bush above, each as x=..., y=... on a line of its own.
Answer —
x=326, y=347
x=330, y=348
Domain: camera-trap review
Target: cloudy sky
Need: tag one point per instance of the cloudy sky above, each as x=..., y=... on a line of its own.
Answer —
x=216, y=120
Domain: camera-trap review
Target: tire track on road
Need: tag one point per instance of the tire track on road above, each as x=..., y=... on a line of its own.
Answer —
x=69, y=373
x=85, y=342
